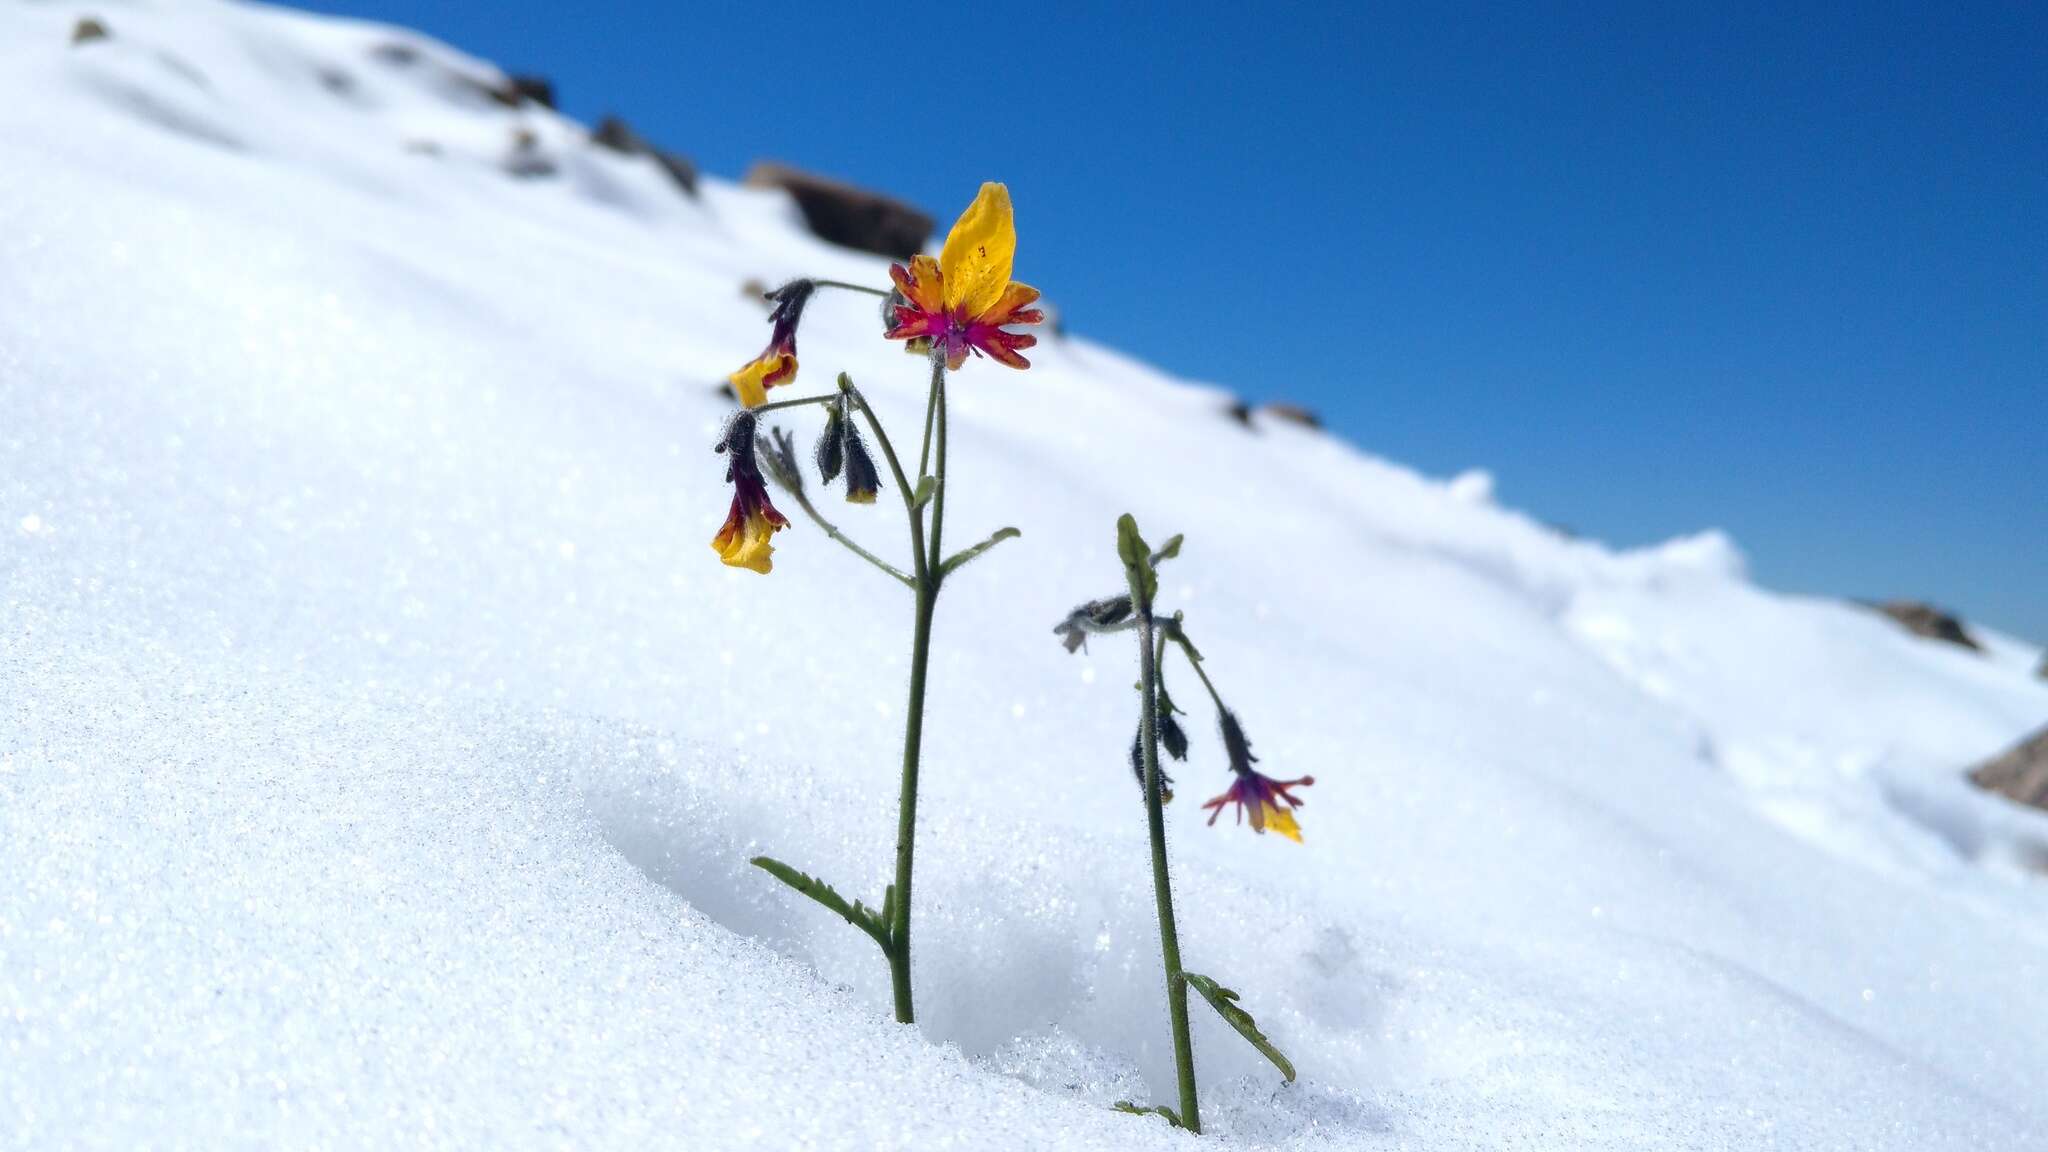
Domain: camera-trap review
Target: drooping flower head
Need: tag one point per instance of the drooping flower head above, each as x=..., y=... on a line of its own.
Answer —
x=777, y=363
x=744, y=541
x=1267, y=800
x=962, y=301
x=840, y=447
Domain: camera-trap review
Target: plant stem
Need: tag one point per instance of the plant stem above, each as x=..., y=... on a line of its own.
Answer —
x=1162, y=883
x=938, y=465
x=931, y=408
x=804, y=501
x=906, y=798
x=926, y=584
x=851, y=287
x=796, y=403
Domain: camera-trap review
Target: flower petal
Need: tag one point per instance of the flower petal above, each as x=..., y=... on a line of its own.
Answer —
x=1281, y=820
x=979, y=252
x=753, y=381
x=921, y=284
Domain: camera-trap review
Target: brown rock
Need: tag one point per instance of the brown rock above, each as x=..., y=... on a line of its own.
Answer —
x=1293, y=414
x=539, y=89
x=617, y=135
x=1926, y=620
x=89, y=29
x=848, y=216
x=2021, y=774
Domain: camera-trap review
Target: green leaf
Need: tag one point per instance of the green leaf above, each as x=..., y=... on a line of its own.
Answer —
x=1137, y=558
x=1224, y=1001
x=857, y=914
x=1172, y=1117
x=1168, y=550
x=960, y=558
x=922, y=495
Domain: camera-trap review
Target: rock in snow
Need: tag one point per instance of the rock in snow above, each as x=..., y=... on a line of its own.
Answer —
x=381, y=743
x=1926, y=620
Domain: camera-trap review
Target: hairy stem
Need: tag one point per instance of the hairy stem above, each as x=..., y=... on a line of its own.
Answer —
x=804, y=501
x=851, y=287
x=1162, y=883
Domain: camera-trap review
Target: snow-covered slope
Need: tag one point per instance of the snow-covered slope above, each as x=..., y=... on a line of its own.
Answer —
x=381, y=744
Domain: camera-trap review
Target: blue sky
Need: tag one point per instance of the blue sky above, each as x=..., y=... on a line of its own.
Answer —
x=1780, y=271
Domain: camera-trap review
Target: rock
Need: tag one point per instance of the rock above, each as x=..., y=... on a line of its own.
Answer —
x=848, y=216
x=1241, y=412
x=2042, y=671
x=617, y=135
x=1293, y=414
x=538, y=89
x=2021, y=774
x=396, y=53
x=89, y=29
x=1926, y=620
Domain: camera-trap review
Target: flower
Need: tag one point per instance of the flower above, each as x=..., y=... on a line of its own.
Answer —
x=1255, y=792
x=840, y=447
x=777, y=363
x=961, y=301
x=744, y=540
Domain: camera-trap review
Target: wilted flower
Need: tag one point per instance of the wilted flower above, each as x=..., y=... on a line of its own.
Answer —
x=1109, y=615
x=1171, y=737
x=753, y=521
x=962, y=300
x=777, y=363
x=841, y=447
x=1254, y=792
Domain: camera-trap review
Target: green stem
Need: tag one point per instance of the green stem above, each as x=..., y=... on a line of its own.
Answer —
x=851, y=287
x=1162, y=884
x=1188, y=649
x=926, y=583
x=938, y=463
x=796, y=403
x=903, y=488
x=804, y=501
x=931, y=408
x=906, y=799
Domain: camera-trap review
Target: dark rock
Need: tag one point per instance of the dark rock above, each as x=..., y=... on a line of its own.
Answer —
x=395, y=53
x=1241, y=412
x=2021, y=774
x=2042, y=671
x=848, y=216
x=1926, y=620
x=1293, y=414
x=538, y=89
x=617, y=135
x=89, y=29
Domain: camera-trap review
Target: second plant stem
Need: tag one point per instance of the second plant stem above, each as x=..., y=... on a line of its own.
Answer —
x=1162, y=883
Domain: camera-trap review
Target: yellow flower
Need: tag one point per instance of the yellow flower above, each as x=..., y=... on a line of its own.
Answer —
x=750, y=526
x=962, y=301
x=777, y=363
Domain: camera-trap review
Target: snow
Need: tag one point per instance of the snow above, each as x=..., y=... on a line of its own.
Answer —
x=381, y=744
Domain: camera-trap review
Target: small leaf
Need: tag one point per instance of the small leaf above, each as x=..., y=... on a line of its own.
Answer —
x=1137, y=558
x=959, y=559
x=922, y=495
x=1224, y=1001
x=1172, y=1117
x=857, y=914
x=1168, y=550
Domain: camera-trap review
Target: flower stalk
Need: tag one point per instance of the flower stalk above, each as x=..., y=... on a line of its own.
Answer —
x=1136, y=571
x=958, y=305
x=1271, y=805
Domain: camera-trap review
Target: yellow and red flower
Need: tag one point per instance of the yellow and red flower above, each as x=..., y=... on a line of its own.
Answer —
x=744, y=541
x=777, y=363
x=1268, y=801
x=962, y=301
